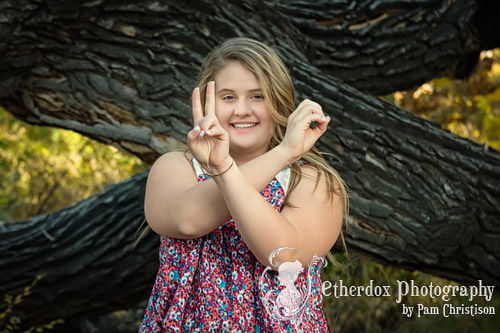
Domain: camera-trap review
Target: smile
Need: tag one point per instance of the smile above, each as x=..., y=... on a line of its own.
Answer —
x=244, y=125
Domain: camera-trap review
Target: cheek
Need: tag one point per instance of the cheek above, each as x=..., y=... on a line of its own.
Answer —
x=222, y=112
x=265, y=117
x=269, y=128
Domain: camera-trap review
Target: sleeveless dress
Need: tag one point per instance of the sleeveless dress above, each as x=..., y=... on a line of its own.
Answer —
x=212, y=283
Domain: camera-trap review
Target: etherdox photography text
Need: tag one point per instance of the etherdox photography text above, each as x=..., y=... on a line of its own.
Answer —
x=409, y=288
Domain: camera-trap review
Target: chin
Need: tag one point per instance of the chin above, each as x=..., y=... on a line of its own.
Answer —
x=244, y=146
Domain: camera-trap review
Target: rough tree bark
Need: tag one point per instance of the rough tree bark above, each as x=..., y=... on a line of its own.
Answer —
x=122, y=72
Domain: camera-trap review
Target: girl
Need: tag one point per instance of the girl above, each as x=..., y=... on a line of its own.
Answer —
x=253, y=183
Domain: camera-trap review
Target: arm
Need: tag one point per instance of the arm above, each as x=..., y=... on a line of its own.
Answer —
x=172, y=190
x=312, y=226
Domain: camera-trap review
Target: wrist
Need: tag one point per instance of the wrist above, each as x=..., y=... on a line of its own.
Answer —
x=285, y=154
x=220, y=170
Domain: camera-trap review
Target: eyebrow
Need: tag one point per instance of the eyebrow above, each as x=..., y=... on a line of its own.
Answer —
x=232, y=91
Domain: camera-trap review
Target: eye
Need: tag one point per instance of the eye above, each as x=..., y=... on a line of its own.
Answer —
x=228, y=98
x=257, y=97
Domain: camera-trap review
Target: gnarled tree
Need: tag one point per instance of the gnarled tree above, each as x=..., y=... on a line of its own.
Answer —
x=122, y=72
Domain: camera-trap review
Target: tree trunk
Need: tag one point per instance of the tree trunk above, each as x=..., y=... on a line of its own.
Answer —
x=85, y=254
x=122, y=73
x=385, y=46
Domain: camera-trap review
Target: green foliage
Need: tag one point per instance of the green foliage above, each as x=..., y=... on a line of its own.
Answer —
x=44, y=169
x=10, y=322
x=469, y=108
x=383, y=313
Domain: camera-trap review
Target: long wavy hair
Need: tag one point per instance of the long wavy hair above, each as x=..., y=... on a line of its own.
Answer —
x=278, y=91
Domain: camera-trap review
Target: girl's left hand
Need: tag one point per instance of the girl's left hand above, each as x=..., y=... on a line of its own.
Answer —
x=208, y=141
x=301, y=134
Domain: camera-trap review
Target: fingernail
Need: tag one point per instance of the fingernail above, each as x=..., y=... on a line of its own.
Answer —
x=325, y=119
x=196, y=129
x=202, y=133
x=208, y=132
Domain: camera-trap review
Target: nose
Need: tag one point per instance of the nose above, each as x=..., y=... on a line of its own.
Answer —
x=242, y=108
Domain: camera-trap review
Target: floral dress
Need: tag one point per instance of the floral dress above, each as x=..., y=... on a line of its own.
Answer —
x=215, y=284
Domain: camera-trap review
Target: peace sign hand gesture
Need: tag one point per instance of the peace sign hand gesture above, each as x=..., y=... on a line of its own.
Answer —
x=208, y=140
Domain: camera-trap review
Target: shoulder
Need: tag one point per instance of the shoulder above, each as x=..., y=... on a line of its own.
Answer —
x=172, y=162
x=312, y=177
x=174, y=157
x=313, y=184
x=309, y=171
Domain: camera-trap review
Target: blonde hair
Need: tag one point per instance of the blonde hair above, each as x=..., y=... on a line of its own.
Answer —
x=277, y=89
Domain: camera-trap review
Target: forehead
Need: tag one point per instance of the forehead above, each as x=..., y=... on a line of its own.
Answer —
x=235, y=76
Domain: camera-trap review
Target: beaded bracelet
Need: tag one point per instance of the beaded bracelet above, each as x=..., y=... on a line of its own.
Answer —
x=223, y=172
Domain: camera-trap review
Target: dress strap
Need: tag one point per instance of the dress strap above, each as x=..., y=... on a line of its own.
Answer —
x=284, y=178
x=284, y=175
x=197, y=167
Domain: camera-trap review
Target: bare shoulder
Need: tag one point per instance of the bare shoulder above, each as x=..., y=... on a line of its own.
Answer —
x=172, y=157
x=313, y=185
x=172, y=162
x=171, y=170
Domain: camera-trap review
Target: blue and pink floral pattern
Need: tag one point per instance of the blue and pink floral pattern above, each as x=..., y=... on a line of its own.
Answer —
x=211, y=284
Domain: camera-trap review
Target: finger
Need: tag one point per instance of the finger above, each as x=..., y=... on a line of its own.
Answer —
x=311, y=117
x=324, y=125
x=314, y=121
x=210, y=98
x=208, y=122
x=305, y=104
x=196, y=105
x=194, y=133
x=313, y=109
x=216, y=131
x=309, y=108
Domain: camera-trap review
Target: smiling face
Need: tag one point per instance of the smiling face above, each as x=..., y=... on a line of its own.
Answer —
x=242, y=111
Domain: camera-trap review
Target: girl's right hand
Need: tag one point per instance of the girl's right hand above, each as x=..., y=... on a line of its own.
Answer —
x=300, y=136
x=208, y=140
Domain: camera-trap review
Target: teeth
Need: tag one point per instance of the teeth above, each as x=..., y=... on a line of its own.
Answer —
x=244, y=125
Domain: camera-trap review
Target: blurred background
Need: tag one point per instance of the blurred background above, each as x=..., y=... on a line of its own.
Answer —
x=44, y=169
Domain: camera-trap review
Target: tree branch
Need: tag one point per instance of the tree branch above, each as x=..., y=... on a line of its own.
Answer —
x=122, y=73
